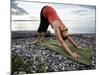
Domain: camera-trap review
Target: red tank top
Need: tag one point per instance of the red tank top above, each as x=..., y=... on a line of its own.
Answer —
x=51, y=14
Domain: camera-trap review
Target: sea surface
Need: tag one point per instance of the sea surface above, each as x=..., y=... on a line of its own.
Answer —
x=33, y=25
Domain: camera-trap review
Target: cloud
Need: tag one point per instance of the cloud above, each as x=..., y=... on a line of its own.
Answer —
x=16, y=10
x=80, y=12
x=84, y=10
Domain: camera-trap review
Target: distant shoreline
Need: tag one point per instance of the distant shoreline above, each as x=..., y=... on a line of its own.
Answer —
x=28, y=34
x=31, y=31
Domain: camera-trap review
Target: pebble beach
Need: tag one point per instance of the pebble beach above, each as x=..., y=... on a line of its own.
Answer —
x=31, y=58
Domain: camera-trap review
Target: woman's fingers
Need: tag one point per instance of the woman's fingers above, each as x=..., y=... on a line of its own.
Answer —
x=75, y=56
x=78, y=57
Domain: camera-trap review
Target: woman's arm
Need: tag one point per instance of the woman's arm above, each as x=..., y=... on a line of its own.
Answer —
x=64, y=45
x=56, y=28
x=72, y=41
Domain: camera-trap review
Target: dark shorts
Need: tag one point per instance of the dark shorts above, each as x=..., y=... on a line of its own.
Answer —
x=43, y=23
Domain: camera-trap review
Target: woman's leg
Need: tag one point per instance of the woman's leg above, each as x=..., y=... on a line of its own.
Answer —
x=45, y=27
x=42, y=28
x=43, y=37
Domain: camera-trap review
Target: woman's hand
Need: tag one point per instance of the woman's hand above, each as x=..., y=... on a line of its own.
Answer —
x=75, y=56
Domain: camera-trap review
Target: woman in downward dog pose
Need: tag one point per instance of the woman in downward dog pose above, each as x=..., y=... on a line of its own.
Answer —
x=48, y=16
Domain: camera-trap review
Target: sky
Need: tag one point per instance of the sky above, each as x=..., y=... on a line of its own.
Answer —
x=79, y=18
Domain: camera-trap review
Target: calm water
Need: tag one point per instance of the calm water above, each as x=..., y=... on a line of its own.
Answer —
x=73, y=27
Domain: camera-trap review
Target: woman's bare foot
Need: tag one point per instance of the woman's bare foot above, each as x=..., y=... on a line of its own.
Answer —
x=36, y=41
x=42, y=40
